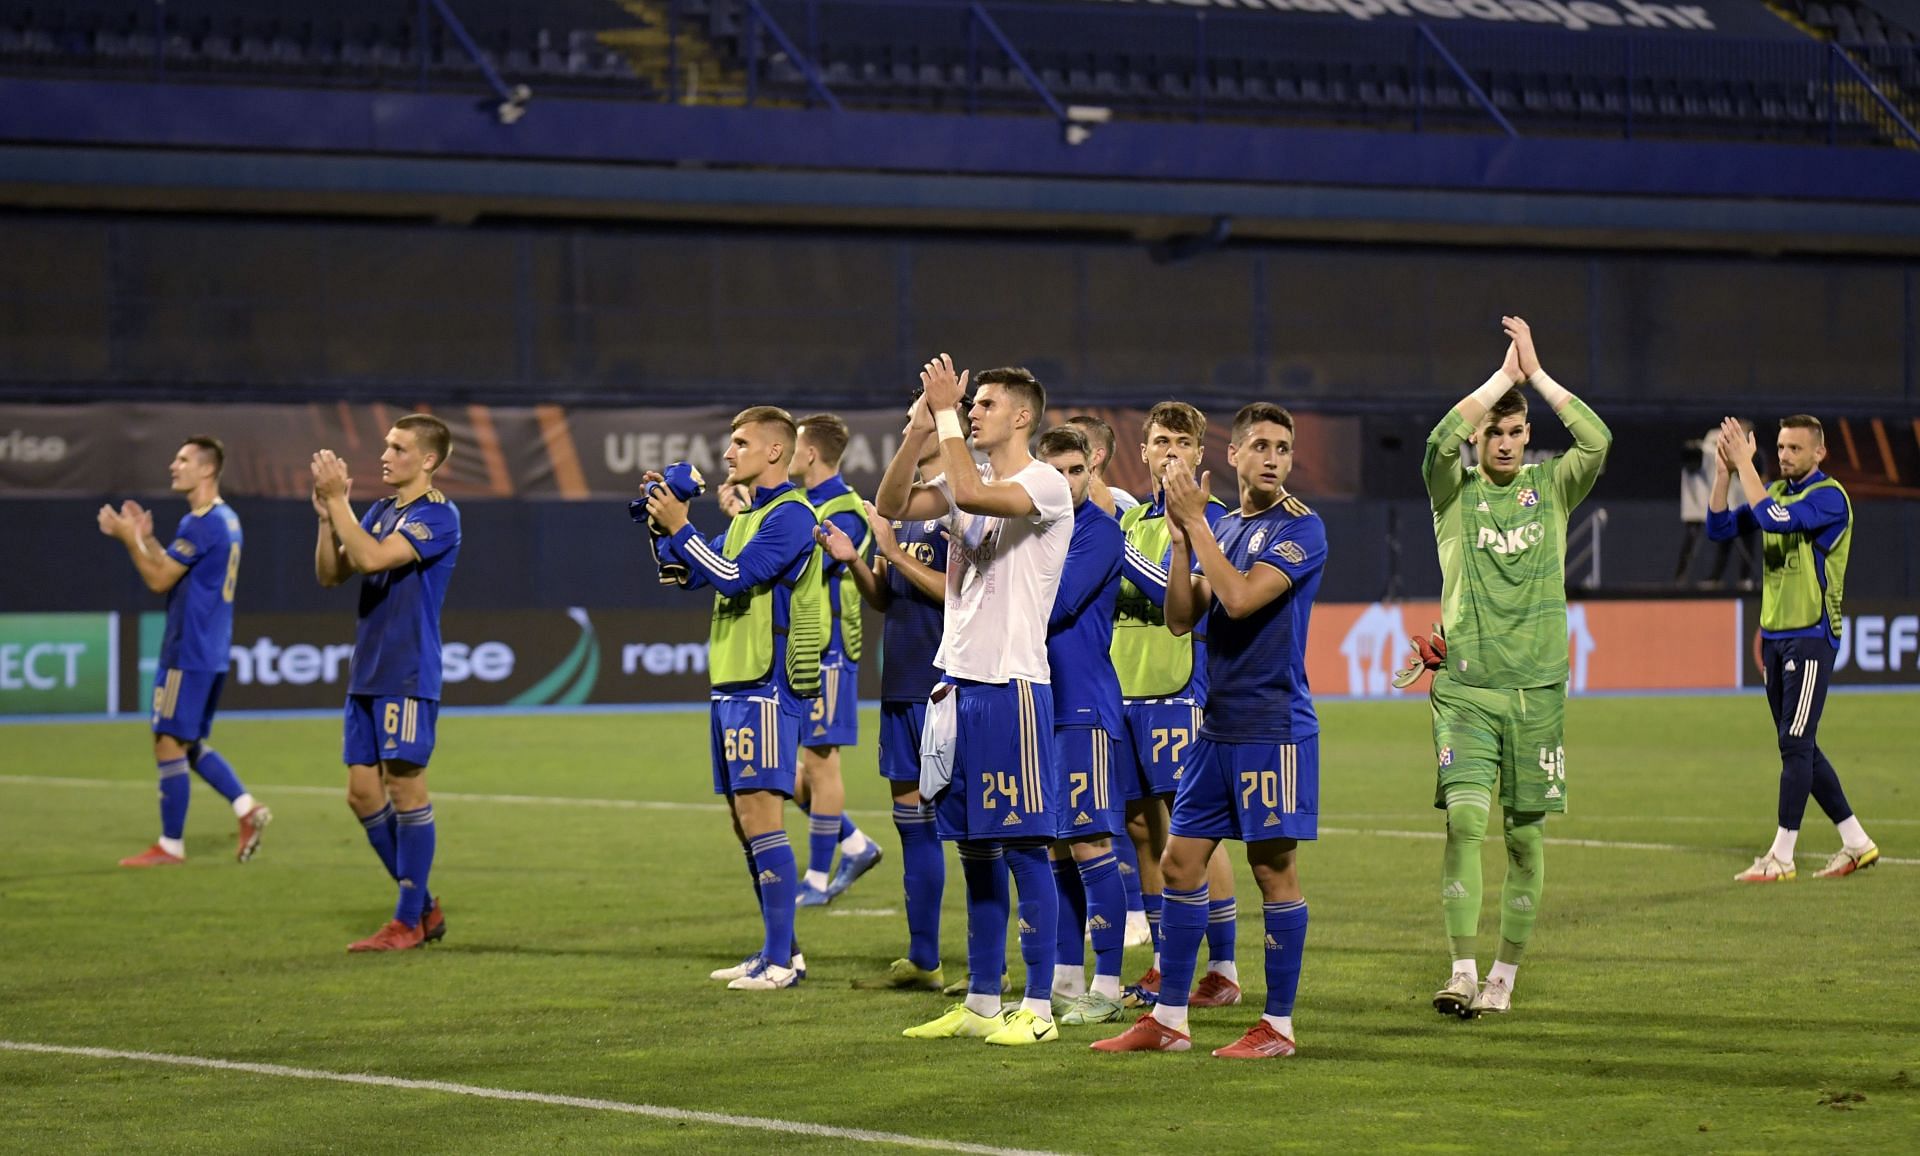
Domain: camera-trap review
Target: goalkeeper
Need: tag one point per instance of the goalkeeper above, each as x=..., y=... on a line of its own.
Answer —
x=1499, y=696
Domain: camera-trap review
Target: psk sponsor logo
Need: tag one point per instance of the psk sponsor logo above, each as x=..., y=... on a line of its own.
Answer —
x=417, y=529
x=1446, y=754
x=1291, y=552
x=182, y=547
x=1529, y=497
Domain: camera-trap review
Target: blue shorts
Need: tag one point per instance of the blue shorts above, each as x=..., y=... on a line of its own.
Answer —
x=1094, y=806
x=1249, y=791
x=833, y=719
x=184, y=702
x=1003, y=774
x=382, y=728
x=900, y=727
x=1160, y=738
x=756, y=744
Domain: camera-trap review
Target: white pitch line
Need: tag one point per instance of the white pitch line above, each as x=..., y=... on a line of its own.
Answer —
x=660, y=805
x=682, y=1115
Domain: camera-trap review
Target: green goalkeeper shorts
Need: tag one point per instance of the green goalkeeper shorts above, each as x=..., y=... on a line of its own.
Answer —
x=1509, y=740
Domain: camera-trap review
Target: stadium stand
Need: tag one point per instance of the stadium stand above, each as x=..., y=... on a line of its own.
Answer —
x=954, y=56
x=350, y=42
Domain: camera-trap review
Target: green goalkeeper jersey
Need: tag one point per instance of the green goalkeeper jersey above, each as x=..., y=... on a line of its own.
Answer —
x=1503, y=553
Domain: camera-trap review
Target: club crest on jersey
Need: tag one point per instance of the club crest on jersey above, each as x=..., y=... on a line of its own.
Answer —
x=1446, y=756
x=926, y=527
x=1291, y=552
x=1529, y=497
x=1259, y=540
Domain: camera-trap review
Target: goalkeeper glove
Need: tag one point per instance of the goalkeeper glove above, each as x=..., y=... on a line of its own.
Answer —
x=1429, y=653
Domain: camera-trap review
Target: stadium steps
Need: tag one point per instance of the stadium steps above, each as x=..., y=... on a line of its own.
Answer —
x=706, y=75
x=1819, y=23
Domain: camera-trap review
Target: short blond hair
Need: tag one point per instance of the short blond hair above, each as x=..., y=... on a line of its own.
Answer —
x=775, y=416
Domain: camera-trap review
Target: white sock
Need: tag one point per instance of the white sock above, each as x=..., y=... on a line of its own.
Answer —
x=1471, y=967
x=1226, y=967
x=856, y=843
x=243, y=804
x=983, y=1005
x=1281, y=1024
x=1156, y=961
x=1502, y=972
x=1852, y=834
x=1069, y=980
x=1173, y=1017
x=817, y=880
x=1783, y=841
x=1041, y=1009
x=174, y=847
x=1107, y=985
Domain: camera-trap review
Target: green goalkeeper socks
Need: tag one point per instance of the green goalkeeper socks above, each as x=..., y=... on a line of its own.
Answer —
x=1526, y=878
x=1460, y=885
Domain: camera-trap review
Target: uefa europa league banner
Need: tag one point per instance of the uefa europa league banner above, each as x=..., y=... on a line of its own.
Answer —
x=541, y=452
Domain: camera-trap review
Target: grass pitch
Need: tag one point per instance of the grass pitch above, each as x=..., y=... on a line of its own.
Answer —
x=1662, y=1007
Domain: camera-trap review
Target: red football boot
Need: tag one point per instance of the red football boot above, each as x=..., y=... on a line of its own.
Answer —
x=1261, y=1042
x=395, y=936
x=433, y=924
x=253, y=824
x=1215, y=990
x=154, y=856
x=1146, y=1035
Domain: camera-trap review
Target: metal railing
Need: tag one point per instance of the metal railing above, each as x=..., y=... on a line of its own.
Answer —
x=1593, y=529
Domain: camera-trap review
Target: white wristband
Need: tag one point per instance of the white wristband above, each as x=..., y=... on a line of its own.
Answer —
x=1550, y=391
x=1495, y=389
x=947, y=423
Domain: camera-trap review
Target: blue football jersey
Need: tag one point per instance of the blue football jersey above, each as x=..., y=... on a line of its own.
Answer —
x=911, y=635
x=396, y=648
x=199, y=631
x=1086, y=691
x=1257, y=665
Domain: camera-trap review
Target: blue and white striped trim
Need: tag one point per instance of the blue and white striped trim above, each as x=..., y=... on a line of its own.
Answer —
x=696, y=549
x=1146, y=565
